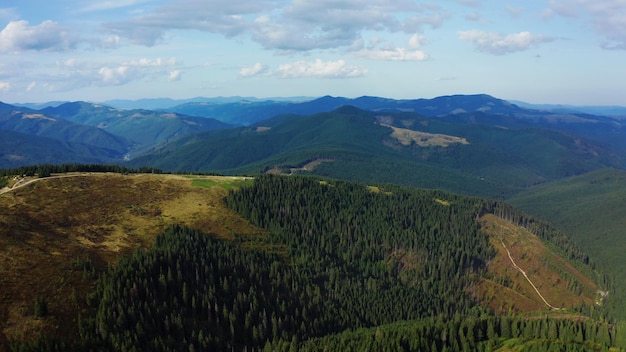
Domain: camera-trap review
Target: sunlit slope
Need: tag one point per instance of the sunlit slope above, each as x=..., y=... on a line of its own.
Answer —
x=527, y=274
x=56, y=234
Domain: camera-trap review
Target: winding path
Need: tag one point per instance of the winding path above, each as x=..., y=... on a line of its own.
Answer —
x=527, y=278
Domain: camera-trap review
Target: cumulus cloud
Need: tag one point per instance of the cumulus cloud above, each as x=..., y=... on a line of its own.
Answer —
x=175, y=75
x=81, y=72
x=416, y=41
x=396, y=54
x=133, y=70
x=215, y=16
x=4, y=86
x=498, y=44
x=110, y=42
x=116, y=76
x=298, y=25
x=251, y=71
x=319, y=69
x=18, y=36
x=377, y=51
x=607, y=17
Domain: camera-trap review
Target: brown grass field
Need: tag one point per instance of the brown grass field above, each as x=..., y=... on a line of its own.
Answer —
x=505, y=288
x=49, y=229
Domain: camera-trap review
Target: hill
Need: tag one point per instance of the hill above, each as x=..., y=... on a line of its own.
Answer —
x=17, y=149
x=304, y=259
x=83, y=141
x=59, y=233
x=591, y=209
x=144, y=127
x=464, y=154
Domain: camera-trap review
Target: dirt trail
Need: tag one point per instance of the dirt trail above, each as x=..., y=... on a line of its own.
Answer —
x=24, y=182
x=528, y=279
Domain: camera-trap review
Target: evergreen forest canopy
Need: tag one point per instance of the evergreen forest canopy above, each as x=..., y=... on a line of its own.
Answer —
x=341, y=266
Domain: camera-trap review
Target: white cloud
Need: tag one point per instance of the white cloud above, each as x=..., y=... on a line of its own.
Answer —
x=115, y=76
x=251, y=71
x=498, y=44
x=415, y=23
x=110, y=42
x=378, y=50
x=4, y=86
x=416, y=41
x=319, y=69
x=18, y=36
x=133, y=70
x=397, y=54
x=158, y=62
x=296, y=25
x=215, y=16
x=609, y=20
x=31, y=86
x=175, y=75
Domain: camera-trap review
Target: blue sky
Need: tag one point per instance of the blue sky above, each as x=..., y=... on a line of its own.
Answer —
x=562, y=52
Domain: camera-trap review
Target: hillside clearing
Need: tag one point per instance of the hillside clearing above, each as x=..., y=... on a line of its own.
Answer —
x=407, y=137
x=54, y=230
x=556, y=280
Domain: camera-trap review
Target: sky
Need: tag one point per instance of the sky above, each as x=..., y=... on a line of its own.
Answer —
x=549, y=52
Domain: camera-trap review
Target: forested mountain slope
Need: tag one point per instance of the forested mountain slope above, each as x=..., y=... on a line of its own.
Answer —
x=591, y=208
x=465, y=154
x=83, y=141
x=17, y=149
x=143, y=127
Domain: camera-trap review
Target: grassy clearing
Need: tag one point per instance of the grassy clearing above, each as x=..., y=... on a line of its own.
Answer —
x=423, y=139
x=48, y=226
x=225, y=182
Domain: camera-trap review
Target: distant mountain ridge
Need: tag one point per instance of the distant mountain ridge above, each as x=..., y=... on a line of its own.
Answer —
x=507, y=147
x=84, y=142
x=144, y=127
x=402, y=148
x=248, y=112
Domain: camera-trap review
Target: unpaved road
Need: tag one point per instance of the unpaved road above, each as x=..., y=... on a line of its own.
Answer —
x=25, y=182
x=528, y=279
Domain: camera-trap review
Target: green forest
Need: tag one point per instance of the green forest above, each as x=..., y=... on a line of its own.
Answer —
x=341, y=266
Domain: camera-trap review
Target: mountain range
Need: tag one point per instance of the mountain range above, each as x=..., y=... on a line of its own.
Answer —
x=471, y=144
x=339, y=255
